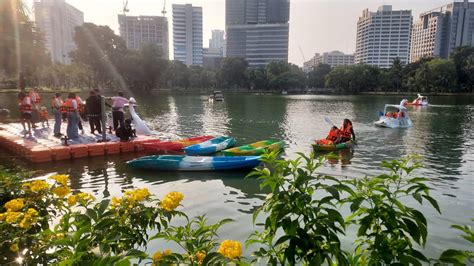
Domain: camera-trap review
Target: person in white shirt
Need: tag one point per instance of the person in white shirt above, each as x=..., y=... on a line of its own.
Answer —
x=118, y=117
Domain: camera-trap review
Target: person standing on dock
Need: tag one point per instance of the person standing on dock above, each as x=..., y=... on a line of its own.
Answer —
x=56, y=104
x=35, y=98
x=72, y=130
x=118, y=117
x=25, y=106
x=94, y=110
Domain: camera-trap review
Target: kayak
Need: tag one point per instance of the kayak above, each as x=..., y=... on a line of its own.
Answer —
x=193, y=163
x=332, y=146
x=211, y=146
x=174, y=146
x=256, y=148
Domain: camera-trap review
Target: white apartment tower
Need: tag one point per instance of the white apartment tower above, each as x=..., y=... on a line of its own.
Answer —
x=334, y=59
x=187, y=34
x=138, y=31
x=439, y=31
x=57, y=20
x=382, y=36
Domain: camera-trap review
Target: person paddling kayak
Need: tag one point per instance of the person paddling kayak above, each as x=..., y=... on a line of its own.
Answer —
x=340, y=135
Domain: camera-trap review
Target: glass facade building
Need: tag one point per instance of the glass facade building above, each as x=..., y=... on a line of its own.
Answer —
x=187, y=34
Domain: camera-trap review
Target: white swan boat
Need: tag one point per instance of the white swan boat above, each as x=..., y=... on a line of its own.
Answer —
x=394, y=116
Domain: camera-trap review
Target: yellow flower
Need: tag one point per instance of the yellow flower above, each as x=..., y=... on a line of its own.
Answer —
x=158, y=256
x=72, y=200
x=36, y=186
x=61, y=191
x=115, y=202
x=61, y=179
x=12, y=217
x=29, y=218
x=171, y=201
x=15, y=205
x=230, y=249
x=3, y=216
x=14, y=247
x=200, y=256
x=137, y=195
x=85, y=196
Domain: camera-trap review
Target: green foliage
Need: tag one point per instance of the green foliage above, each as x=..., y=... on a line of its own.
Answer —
x=387, y=226
x=460, y=257
x=317, y=76
x=22, y=50
x=303, y=222
x=303, y=206
x=354, y=79
x=232, y=72
x=195, y=237
x=437, y=75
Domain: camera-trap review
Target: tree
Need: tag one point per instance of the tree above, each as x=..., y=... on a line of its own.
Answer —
x=317, y=76
x=233, y=72
x=104, y=52
x=177, y=75
x=460, y=57
x=396, y=74
x=22, y=51
x=437, y=75
x=354, y=79
x=258, y=78
x=153, y=66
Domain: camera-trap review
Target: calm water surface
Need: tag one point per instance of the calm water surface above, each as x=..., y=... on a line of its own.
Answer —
x=442, y=134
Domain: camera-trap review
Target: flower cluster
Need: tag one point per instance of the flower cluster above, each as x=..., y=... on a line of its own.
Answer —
x=230, y=249
x=36, y=186
x=82, y=197
x=200, y=256
x=158, y=256
x=171, y=201
x=131, y=197
x=14, y=214
x=61, y=191
x=60, y=179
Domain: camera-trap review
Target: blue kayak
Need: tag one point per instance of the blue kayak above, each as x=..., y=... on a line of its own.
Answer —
x=211, y=146
x=194, y=163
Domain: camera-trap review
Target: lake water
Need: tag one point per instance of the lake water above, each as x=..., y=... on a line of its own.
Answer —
x=442, y=133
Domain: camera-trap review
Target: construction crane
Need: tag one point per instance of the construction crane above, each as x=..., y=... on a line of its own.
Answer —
x=125, y=7
x=164, y=9
x=302, y=54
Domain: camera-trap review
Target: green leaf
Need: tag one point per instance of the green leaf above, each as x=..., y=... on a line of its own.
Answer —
x=453, y=256
x=433, y=202
x=333, y=191
x=412, y=229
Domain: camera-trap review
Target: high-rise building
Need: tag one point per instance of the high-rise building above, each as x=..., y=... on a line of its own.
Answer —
x=334, y=59
x=57, y=20
x=212, y=58
x=138, y=31
x=187, y=34
x=257, y=30
x=382, y=36
x=217, y=39
x=439, y=31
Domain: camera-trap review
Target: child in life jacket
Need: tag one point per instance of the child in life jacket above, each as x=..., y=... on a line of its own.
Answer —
x=44, y=116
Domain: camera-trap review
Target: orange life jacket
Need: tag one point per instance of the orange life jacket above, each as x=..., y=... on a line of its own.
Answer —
x=43, y=114
x=347, y=131
x=332, y=135
x=63, y=108
x=395, y=115
x=25, y=107
x=37, y=97
x=68, y=105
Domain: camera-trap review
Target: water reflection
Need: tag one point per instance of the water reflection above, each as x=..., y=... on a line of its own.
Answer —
x=442, y=134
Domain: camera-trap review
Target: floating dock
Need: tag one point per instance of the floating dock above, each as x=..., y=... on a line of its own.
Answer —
x=42, y=146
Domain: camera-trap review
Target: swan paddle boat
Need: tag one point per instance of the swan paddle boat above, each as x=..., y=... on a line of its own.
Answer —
x=140, y=127
x=420, y=101
x=174, y=146
x=394, y=116
x=327, y=145
x=211, y=146
x=256, y=148
x=194, y=163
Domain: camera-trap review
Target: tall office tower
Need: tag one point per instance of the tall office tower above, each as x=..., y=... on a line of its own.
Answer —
x=217, y=39
x=439, y=31
x=138, y=31
x=257, y=30
x=187, y=34
x=382, y=36
x=57, y=20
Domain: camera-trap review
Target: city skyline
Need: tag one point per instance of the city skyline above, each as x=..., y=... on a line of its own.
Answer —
x=333, y=24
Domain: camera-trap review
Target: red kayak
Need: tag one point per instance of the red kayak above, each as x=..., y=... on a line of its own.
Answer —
x=174, y=146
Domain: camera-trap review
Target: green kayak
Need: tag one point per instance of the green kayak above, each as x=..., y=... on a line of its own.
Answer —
x=332, y=147
x=256, y=148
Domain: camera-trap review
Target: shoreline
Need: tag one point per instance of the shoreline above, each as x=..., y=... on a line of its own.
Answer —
x=262, y=92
